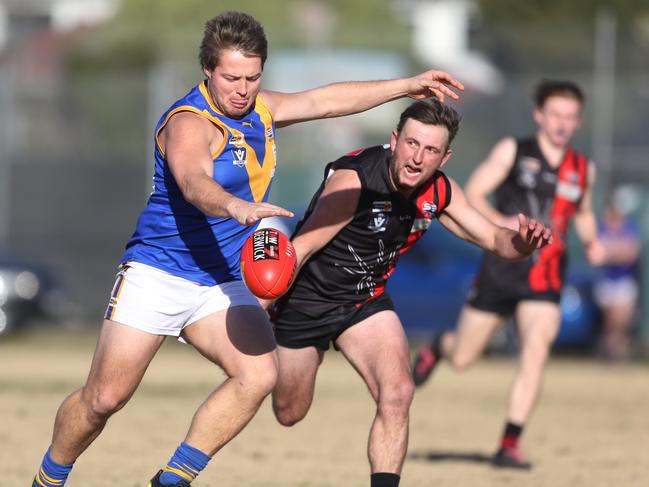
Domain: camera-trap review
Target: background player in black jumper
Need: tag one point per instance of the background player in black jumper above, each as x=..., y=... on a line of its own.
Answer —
x=540, y=176
x=373, y=206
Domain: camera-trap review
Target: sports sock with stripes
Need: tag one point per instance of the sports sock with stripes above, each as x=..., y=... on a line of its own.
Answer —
x=51, y=474
x=185, y=464
x=511, y=435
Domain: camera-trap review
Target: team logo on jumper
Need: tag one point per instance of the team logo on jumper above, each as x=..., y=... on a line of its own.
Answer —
x=528, y=170
x=379, y=217
x=530, y=164
x=381, y=206
x=429, y=209
x=236, y=139
x=374, y=269
x=265, y=245
x=239, y=157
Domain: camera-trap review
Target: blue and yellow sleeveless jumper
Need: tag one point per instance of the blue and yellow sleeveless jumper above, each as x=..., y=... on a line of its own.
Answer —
x=175, y=236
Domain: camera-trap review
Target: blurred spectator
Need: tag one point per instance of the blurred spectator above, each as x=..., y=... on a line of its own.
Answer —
x=616, y=289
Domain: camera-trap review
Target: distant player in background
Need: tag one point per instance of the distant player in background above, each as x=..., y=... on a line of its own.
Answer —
x=214, y=162
x=373, y=206
x=541, y=176
x=616, y=289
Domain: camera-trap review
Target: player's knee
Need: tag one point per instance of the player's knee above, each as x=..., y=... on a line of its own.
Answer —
x=104, y=403
x=292, y=399
x=265, y=382
x=396, y=397
x=259, y=381
x=460, y=363
x=288, y=408
x=536, y=352
x=287, y=414
x=268, y=380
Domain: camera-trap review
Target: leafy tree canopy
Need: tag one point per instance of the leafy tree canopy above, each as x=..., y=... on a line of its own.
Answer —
x=145, y=29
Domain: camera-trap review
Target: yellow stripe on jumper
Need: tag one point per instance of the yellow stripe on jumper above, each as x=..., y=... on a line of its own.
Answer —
x=260, y=176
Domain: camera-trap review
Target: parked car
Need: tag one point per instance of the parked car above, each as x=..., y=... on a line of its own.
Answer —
x=27, y=293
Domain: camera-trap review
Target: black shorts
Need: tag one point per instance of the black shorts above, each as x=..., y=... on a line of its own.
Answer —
x=501, y=295
x=296, y=326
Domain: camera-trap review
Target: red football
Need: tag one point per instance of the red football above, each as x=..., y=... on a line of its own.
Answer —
x=268, y=263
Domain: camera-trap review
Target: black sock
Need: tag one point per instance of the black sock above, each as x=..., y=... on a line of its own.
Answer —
x=436, y=344
x=511, y=435
x=384, y=479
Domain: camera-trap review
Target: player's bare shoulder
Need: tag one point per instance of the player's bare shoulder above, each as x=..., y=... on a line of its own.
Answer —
x=492, y=171
x=277, y=103
x=341, y=192
x=343, y=179
x=503, y=153
x=188, y=126
x=270, y=98
x=457, y=199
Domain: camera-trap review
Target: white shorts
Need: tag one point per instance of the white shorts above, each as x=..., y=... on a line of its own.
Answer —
x=609, y=292
x=160, y=303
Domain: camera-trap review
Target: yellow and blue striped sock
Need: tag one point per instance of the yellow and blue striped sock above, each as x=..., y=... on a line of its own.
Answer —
x=51, y=474
x=185, y=464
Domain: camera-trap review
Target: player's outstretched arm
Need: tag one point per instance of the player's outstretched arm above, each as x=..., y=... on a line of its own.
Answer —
x=469, y=224
x=186, y=142
x=346, y=98
x=335, y=208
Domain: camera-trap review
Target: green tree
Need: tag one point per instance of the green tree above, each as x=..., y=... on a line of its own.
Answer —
x=146, y=29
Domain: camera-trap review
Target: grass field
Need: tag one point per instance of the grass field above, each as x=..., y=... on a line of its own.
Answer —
x=591, y=428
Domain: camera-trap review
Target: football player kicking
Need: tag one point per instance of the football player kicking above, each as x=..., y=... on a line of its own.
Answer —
x=373, y=206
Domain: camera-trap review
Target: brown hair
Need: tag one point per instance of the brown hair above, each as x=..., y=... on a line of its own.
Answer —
x=432, y=112
x=232, y=30
x=548, y=88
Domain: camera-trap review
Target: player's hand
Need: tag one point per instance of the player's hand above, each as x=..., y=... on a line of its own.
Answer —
x=596, y=253
x=534, y=234
x=433, y=83
x=265, y=303
x=509, y=221
x=248, y=213
x=268, y=305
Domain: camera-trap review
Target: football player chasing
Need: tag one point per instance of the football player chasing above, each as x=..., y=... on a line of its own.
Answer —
x=542, y=176
x=372, y=206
